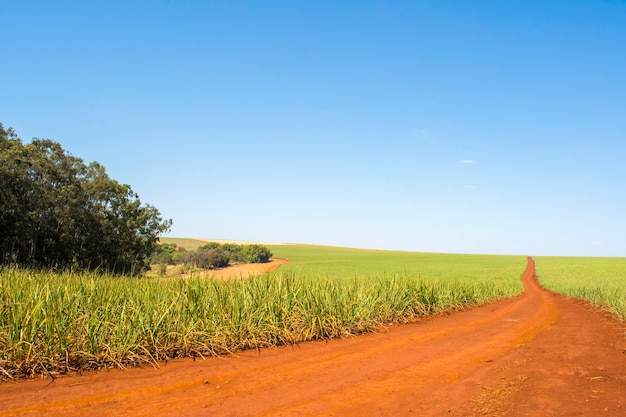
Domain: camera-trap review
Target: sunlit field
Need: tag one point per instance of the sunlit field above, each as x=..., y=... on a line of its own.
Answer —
x=602, y=281
x=187, y=243
x=64, y=322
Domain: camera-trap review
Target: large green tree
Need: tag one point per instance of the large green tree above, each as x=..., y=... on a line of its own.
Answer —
x=55, y=211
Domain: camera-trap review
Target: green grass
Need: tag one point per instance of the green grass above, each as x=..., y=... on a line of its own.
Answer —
x=601, y=281
x=348, y=262
x=57, y=323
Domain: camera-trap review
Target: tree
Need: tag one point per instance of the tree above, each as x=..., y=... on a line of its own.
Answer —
x=256, y=254
x=57, y=212
x=208, y=258
x=161, y=258
x=235, y=252
x=210, y=245
x=179, y=255
x=163, y=254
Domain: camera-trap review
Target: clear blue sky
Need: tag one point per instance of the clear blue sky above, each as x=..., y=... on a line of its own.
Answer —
x=440, y=126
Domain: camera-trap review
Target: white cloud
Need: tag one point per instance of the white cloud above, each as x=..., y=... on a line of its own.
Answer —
x=467, y=161
x=597, y=243
x=470, y=187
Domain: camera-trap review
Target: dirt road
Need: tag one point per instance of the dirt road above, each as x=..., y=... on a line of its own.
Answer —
x=536, y=355
x=243, y=271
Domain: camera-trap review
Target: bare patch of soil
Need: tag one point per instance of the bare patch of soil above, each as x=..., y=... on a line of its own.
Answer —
x=539, y=354
x=244, y=270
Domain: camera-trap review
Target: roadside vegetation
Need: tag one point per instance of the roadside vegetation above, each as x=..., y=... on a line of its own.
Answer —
x=58, y=213
x=54, y=323
x=601, y=281
x=211, y=255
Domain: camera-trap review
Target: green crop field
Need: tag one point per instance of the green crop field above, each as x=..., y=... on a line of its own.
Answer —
x=63, y=322
x=341, y=262
x=601, y=281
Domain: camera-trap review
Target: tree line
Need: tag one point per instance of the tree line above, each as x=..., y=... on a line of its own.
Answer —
x=211, y=255
x=58, y=212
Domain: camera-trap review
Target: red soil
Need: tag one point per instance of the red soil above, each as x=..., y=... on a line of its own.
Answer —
x=539, y=354
x=244, y=270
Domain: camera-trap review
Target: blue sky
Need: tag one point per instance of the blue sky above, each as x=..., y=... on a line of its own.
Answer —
x=439, y=126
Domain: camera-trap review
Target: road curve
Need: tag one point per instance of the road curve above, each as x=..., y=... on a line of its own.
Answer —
x=439, y=366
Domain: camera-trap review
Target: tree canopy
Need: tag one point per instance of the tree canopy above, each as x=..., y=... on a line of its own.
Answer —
x=58, y=212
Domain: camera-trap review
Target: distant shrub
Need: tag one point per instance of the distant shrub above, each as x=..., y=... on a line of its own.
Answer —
x=232, y=248
x=235, y=252
x=163, y=254
x=167, y=247
x=236, y=257
x=214, y=255
x=179, y=257
x=256, y=254
x=210, y=245
x=164, y=258
x=207, y=258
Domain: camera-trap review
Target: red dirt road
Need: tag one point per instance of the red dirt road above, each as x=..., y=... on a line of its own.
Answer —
x=243, y=270
x=539, y=354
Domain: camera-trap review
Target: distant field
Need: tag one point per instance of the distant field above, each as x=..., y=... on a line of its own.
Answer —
x=342, y=262
x=189, y=244
x=62, y=322
x=602, y=281
x=193, y=244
